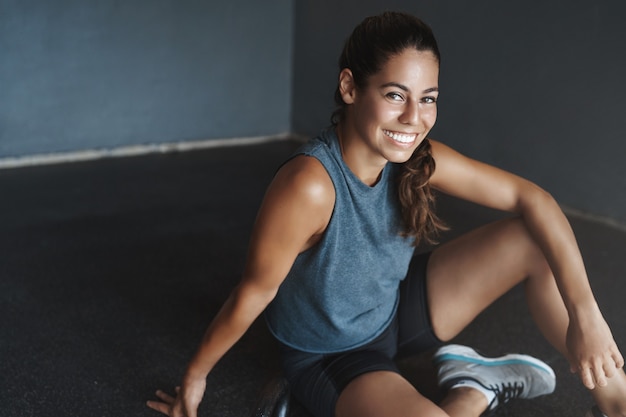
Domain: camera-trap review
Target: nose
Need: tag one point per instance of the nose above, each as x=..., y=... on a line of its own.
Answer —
x=411, y=113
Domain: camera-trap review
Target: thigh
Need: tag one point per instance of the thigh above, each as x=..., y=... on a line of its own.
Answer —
x=467, y=274
x=317, y=380
x=382, y=393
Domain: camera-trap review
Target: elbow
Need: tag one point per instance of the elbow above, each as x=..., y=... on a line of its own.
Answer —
x=253, y=297
x=543, y=198
x=535, y=199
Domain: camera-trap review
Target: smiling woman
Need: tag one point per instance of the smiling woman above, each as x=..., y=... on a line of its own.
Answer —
x=392, y=114
x=397, y=108
x=332, y=258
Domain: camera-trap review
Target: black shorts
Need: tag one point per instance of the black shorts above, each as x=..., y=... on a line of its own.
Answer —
x=316, y=380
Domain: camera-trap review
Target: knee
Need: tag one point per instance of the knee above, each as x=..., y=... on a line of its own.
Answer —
x=529, y=250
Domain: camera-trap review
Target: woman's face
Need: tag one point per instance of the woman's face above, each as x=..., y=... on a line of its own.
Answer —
x=397, y=108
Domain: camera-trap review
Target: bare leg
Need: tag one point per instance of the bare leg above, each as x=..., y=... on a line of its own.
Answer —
x=469, y=273
x=382, y=394
x=464, y=402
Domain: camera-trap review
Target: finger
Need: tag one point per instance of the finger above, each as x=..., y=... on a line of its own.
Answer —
x=609, y=370
x=609, y=367
x=586, y=378
x=165, y=397
x=159, y=406
x=598, y=373
x=618, y=358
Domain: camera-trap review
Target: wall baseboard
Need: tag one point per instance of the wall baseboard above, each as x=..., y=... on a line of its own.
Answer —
x=135, y=150
x=185, y=146
x=595, y=218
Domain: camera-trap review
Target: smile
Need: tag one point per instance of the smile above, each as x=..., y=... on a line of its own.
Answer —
x=400, y=137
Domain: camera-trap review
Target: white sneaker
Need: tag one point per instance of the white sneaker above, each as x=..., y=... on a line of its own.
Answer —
x=509, y=376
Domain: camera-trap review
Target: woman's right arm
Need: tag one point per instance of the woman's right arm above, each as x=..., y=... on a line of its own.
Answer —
x=294, y=213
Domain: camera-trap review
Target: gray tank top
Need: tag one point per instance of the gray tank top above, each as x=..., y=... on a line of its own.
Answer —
x=343, y=292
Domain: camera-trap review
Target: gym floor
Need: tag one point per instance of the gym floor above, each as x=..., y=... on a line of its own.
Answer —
x=110, y=271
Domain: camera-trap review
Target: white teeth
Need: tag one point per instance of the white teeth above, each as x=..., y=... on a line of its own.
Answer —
x=400, y=137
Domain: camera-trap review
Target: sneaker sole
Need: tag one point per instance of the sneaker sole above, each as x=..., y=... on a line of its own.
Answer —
x=467, y=354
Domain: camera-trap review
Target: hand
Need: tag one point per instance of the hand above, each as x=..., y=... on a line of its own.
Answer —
x=593, y=353
x=184, y=404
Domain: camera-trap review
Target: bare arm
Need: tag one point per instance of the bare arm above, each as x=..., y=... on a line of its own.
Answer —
x=294, y=213
x=492, y=187
x=593, y=352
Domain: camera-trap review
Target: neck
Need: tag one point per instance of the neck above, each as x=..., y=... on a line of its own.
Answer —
x=356, y=156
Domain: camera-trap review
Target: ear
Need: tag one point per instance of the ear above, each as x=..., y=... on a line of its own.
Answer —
x=347, y=88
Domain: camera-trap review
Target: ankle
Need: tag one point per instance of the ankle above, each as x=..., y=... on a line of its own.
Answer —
x=466, y=399
x=489, y=394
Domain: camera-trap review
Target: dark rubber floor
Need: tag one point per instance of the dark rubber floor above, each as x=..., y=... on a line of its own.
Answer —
x=110, y=270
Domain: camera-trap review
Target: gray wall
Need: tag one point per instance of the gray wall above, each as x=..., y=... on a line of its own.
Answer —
x=535, y=87
x=80, y=74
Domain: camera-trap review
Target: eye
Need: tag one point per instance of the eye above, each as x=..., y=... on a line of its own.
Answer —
x=429, y=100
x=394, y=96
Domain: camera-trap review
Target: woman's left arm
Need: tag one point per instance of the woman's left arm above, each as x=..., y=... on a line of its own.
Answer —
x=592, y=349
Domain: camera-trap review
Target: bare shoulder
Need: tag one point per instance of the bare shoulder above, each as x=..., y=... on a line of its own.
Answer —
x=449, y=164
x=305, y=178
x=440, y=150
x=481, y=183
x=294, y=214
x=302, y=195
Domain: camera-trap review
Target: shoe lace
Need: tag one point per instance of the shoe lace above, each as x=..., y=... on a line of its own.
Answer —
x=504, y=393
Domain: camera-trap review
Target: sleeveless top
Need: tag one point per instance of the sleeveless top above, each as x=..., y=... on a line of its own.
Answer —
x=343, y=292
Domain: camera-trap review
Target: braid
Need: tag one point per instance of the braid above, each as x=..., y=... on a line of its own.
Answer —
x=416, y=197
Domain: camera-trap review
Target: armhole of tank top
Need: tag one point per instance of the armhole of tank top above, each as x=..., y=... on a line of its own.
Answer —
x=332, y=215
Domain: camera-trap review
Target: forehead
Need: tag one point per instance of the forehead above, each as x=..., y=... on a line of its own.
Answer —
x=410, y=67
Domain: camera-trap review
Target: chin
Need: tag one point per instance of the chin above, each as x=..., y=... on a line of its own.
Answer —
x=400, y=158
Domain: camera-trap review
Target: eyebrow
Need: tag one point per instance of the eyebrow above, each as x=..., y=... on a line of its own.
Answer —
x=405, y=88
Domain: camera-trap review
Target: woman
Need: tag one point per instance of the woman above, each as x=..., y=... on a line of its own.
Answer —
x=331, y=258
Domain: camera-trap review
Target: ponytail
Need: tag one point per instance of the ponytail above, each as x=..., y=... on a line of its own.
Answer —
x=416, y=197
